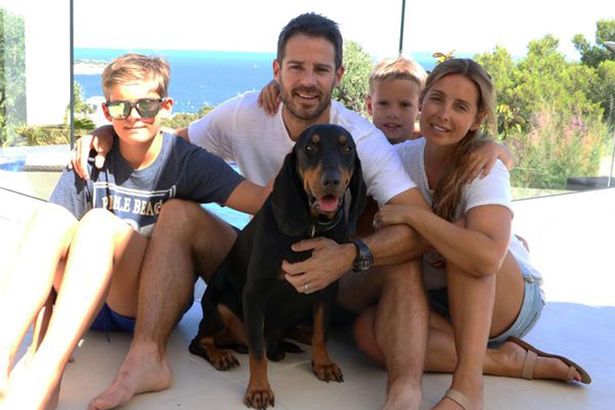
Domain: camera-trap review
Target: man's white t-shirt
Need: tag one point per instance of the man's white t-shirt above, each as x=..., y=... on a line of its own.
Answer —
x=241, y=131
x=493, y=189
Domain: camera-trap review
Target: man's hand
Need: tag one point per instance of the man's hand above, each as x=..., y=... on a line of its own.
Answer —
x=329, y=261
x=100, y=141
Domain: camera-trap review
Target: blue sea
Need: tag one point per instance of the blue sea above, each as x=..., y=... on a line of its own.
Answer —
x=198, y=78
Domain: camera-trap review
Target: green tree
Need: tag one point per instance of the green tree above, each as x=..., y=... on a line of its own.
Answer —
x=593, y=55
x=354, y=86
x=547, y=115
x=501, y=67
x=12, y=74
x=602, y=59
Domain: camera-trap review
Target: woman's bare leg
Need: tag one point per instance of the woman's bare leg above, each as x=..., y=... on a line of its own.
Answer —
x=103, y=246
x=25, y=287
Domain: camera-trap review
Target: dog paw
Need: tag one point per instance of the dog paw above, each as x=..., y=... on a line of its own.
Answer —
x=328, y=372
x=259, y=398
x=223, y=360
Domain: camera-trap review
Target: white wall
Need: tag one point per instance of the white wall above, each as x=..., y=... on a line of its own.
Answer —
x=47, y=38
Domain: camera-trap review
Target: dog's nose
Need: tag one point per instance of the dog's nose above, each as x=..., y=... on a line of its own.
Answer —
x=331, y=179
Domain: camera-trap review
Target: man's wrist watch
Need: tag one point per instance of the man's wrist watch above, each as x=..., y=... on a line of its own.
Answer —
x=364, y=259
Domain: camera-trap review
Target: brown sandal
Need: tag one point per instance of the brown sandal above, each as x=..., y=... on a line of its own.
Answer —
x=532, y=354
x=459, y=398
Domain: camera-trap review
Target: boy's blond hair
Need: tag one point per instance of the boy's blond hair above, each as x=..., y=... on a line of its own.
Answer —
x=137, y=67
x=399, y=68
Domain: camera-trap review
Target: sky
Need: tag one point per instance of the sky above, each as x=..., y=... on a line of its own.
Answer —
x=467, y=26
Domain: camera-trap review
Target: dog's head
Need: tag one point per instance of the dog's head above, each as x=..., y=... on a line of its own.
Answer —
x=315, y=178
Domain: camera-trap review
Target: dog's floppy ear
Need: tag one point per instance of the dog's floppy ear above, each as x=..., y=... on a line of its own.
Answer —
x=289, y=200
x=358, y=192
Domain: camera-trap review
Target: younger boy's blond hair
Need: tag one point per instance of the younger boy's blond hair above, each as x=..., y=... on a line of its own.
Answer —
x=399, y=68
x=137, y=67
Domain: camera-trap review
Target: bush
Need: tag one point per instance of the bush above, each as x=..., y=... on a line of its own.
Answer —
x=183, y=119
x=29, y=136
x=555, y=147
x=353, y=89
x=546, y=114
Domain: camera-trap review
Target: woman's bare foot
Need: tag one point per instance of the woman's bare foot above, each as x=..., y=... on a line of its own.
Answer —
x=512, y=356
x=31, y=389
x=464, y=396
x=142, y=371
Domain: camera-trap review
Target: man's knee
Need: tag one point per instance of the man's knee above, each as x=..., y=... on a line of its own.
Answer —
x=176, y=212
x=402, y=275
x=186, y=219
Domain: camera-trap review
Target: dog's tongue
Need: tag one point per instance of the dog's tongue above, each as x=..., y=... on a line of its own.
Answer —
x=327, y=203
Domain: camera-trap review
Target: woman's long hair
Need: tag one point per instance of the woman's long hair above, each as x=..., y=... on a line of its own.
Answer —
x=448, y=190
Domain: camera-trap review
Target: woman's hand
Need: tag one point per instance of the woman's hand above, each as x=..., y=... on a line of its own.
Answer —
x=392, y=215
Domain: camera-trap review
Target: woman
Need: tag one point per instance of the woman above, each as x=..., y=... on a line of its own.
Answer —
x=489, y=293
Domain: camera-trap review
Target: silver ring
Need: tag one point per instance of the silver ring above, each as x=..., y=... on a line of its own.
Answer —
x=306, y=287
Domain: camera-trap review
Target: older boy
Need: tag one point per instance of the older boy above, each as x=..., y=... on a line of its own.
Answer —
x=116, y=210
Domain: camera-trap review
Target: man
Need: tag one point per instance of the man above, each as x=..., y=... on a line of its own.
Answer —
x=308, y=66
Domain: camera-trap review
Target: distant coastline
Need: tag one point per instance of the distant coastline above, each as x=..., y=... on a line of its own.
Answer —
x=89, y=67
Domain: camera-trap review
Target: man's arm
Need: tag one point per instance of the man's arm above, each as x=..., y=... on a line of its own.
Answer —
x=397, y=243
x=99, y=140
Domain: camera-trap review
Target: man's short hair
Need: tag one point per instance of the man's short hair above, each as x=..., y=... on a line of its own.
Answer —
x=399, y=68
x=312, y=25
x=132, y=67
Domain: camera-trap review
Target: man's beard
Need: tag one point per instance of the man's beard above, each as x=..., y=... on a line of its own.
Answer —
x=295, y=109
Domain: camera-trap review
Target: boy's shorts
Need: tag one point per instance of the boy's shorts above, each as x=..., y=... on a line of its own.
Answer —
x=109, y=320
x=531, y=308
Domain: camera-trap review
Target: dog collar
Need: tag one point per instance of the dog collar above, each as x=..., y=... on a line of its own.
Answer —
x=319, y=226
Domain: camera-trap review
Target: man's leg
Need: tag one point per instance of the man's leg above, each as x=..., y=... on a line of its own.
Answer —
x=24, y=288
x=186, y=239
x=81, y=292
x=399, y=325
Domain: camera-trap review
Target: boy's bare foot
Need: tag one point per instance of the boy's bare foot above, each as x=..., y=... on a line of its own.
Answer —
x=143, y=371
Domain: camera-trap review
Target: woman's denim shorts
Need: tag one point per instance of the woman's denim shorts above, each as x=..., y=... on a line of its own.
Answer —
x=531, y=308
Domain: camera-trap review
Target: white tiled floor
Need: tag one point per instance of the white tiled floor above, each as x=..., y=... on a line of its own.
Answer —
x=571, y=239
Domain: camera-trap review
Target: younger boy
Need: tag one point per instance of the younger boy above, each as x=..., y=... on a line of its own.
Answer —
x=116, y=209
x=395, y=85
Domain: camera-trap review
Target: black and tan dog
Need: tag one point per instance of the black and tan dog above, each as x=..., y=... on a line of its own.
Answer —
x=318, y=192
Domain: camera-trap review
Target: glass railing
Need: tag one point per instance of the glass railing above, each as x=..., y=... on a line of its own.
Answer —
x=34, y=95
x=35, y=105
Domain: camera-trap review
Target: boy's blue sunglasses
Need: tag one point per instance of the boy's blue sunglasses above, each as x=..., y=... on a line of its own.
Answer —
x=146, y=107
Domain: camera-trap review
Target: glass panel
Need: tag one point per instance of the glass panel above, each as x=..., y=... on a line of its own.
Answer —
x=35, y=91
x=563, y=144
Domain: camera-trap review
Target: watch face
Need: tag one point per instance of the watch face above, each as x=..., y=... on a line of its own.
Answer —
x=364, y=259
x=364, y=262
